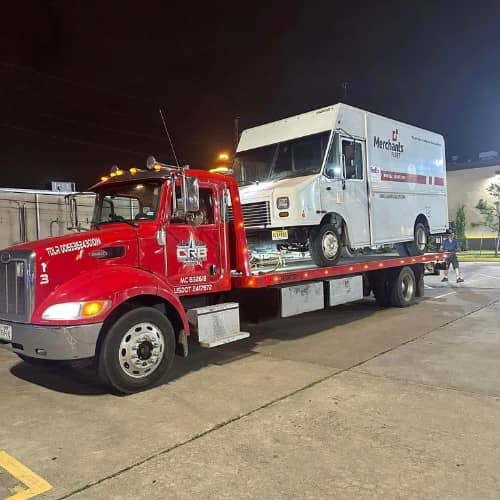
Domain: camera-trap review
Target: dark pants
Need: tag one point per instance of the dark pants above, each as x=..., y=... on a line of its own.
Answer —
x=453, y=260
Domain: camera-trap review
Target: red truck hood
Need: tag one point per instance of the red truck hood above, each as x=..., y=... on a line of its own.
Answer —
x=60, y=259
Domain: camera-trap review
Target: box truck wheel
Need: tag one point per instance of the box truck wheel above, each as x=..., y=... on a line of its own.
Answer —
x=420, y=240
x=137, y=351
x=325, y=245
x=403, y=288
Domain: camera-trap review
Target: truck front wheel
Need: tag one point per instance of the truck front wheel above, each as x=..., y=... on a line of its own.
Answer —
x=325, y=245
x=137, y=351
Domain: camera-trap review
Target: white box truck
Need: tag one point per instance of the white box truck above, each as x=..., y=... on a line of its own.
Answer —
x=340, y=177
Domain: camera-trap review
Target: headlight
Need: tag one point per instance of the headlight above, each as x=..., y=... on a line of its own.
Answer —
x=75, y=310
x=283, y=203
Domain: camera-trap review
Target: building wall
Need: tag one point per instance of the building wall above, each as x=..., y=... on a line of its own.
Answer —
x=53, y=215
x=467, y=187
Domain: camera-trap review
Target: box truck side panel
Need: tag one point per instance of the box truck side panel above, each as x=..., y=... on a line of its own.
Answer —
x=407, y=179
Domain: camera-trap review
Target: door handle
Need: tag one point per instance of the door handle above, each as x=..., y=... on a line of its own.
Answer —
x=329, y=188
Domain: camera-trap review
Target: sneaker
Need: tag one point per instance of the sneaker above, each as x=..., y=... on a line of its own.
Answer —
x=460, y=280
x=444, y=279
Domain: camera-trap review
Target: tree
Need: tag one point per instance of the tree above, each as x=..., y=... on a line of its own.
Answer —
x=491, y=212
x=460, y=226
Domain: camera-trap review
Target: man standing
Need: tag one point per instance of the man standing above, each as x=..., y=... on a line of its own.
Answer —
x=450, y=245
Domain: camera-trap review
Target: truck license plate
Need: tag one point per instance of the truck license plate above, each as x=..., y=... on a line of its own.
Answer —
x=6, y=332
x=279, y=234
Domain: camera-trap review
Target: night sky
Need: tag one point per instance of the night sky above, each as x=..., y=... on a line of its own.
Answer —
x=81, y=82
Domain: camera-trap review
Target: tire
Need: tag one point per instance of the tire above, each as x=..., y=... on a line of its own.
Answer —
x=403, y=288
x=137, y=351
x=420, y=240
x=325, y=245
x=381, y=287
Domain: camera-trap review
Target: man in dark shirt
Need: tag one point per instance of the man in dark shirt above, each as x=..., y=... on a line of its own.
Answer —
x=450, y=245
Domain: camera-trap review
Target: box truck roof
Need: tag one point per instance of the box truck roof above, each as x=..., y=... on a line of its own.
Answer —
x=313, y=122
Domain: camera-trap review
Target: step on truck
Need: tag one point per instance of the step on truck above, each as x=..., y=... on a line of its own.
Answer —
x=340, y=178
x=166, y=257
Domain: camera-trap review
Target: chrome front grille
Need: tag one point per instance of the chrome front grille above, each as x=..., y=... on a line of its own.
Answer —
x=16, y=285
x=255, y=214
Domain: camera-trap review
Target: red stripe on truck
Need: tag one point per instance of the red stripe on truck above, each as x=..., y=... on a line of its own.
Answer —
x=439, y=181
x=403, y=177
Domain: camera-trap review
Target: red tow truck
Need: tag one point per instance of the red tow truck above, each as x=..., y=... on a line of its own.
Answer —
x=167, y=257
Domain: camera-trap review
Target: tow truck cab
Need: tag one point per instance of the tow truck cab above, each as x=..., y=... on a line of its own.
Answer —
x=160, y=240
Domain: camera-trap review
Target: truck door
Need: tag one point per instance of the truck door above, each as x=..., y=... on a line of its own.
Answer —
x=196, y=253
x=344, y=187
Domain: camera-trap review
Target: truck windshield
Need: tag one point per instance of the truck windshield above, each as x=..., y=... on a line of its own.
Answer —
x=294, y=158
x=127, y=203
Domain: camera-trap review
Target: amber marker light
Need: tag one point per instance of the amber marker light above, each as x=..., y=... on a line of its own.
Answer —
x=90, y=309
x=133, y=170
x=104, y=179
x=157, y=167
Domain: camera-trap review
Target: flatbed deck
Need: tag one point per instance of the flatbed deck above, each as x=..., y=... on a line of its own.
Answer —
x=305, y=270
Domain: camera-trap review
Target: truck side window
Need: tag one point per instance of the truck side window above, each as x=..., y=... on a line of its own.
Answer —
x=206, y=212
x=352, y=153
x=333, y=167
x=205, y=215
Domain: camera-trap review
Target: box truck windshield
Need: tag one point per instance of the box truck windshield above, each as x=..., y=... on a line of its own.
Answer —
x=294, y=158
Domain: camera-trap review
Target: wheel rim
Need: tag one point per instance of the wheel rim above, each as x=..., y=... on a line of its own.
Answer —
x=141, y=350
x=421, y=238
x=330, y=245
x=407, y=288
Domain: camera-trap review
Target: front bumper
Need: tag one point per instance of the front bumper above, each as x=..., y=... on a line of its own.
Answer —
x=52, y=342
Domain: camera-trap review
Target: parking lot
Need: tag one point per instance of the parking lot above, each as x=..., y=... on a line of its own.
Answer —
x=354, y=401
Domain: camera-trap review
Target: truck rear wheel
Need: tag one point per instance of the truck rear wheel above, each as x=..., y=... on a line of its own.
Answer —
x=325, y=245
x=137, y=352
x=404, y=288
x=420, y=240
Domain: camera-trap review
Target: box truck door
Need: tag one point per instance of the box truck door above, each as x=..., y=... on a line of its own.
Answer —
x=344, y=187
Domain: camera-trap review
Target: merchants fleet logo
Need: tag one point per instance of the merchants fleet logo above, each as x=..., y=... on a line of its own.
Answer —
x=191, y=252
x=392, y=145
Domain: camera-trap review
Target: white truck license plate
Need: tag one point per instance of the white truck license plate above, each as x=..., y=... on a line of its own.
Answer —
x=279, y=234
x=6, y=332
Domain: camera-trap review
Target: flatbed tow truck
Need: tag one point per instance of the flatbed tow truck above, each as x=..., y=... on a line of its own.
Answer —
x=167, y=257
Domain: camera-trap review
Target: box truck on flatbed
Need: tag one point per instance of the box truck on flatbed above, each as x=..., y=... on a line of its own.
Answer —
x=164, y=259
x=340, y=177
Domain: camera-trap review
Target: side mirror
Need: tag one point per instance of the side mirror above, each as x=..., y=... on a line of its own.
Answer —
x=191, y=194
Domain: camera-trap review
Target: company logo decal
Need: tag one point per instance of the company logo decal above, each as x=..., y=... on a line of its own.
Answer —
x=191, y=252
x=393, y=144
